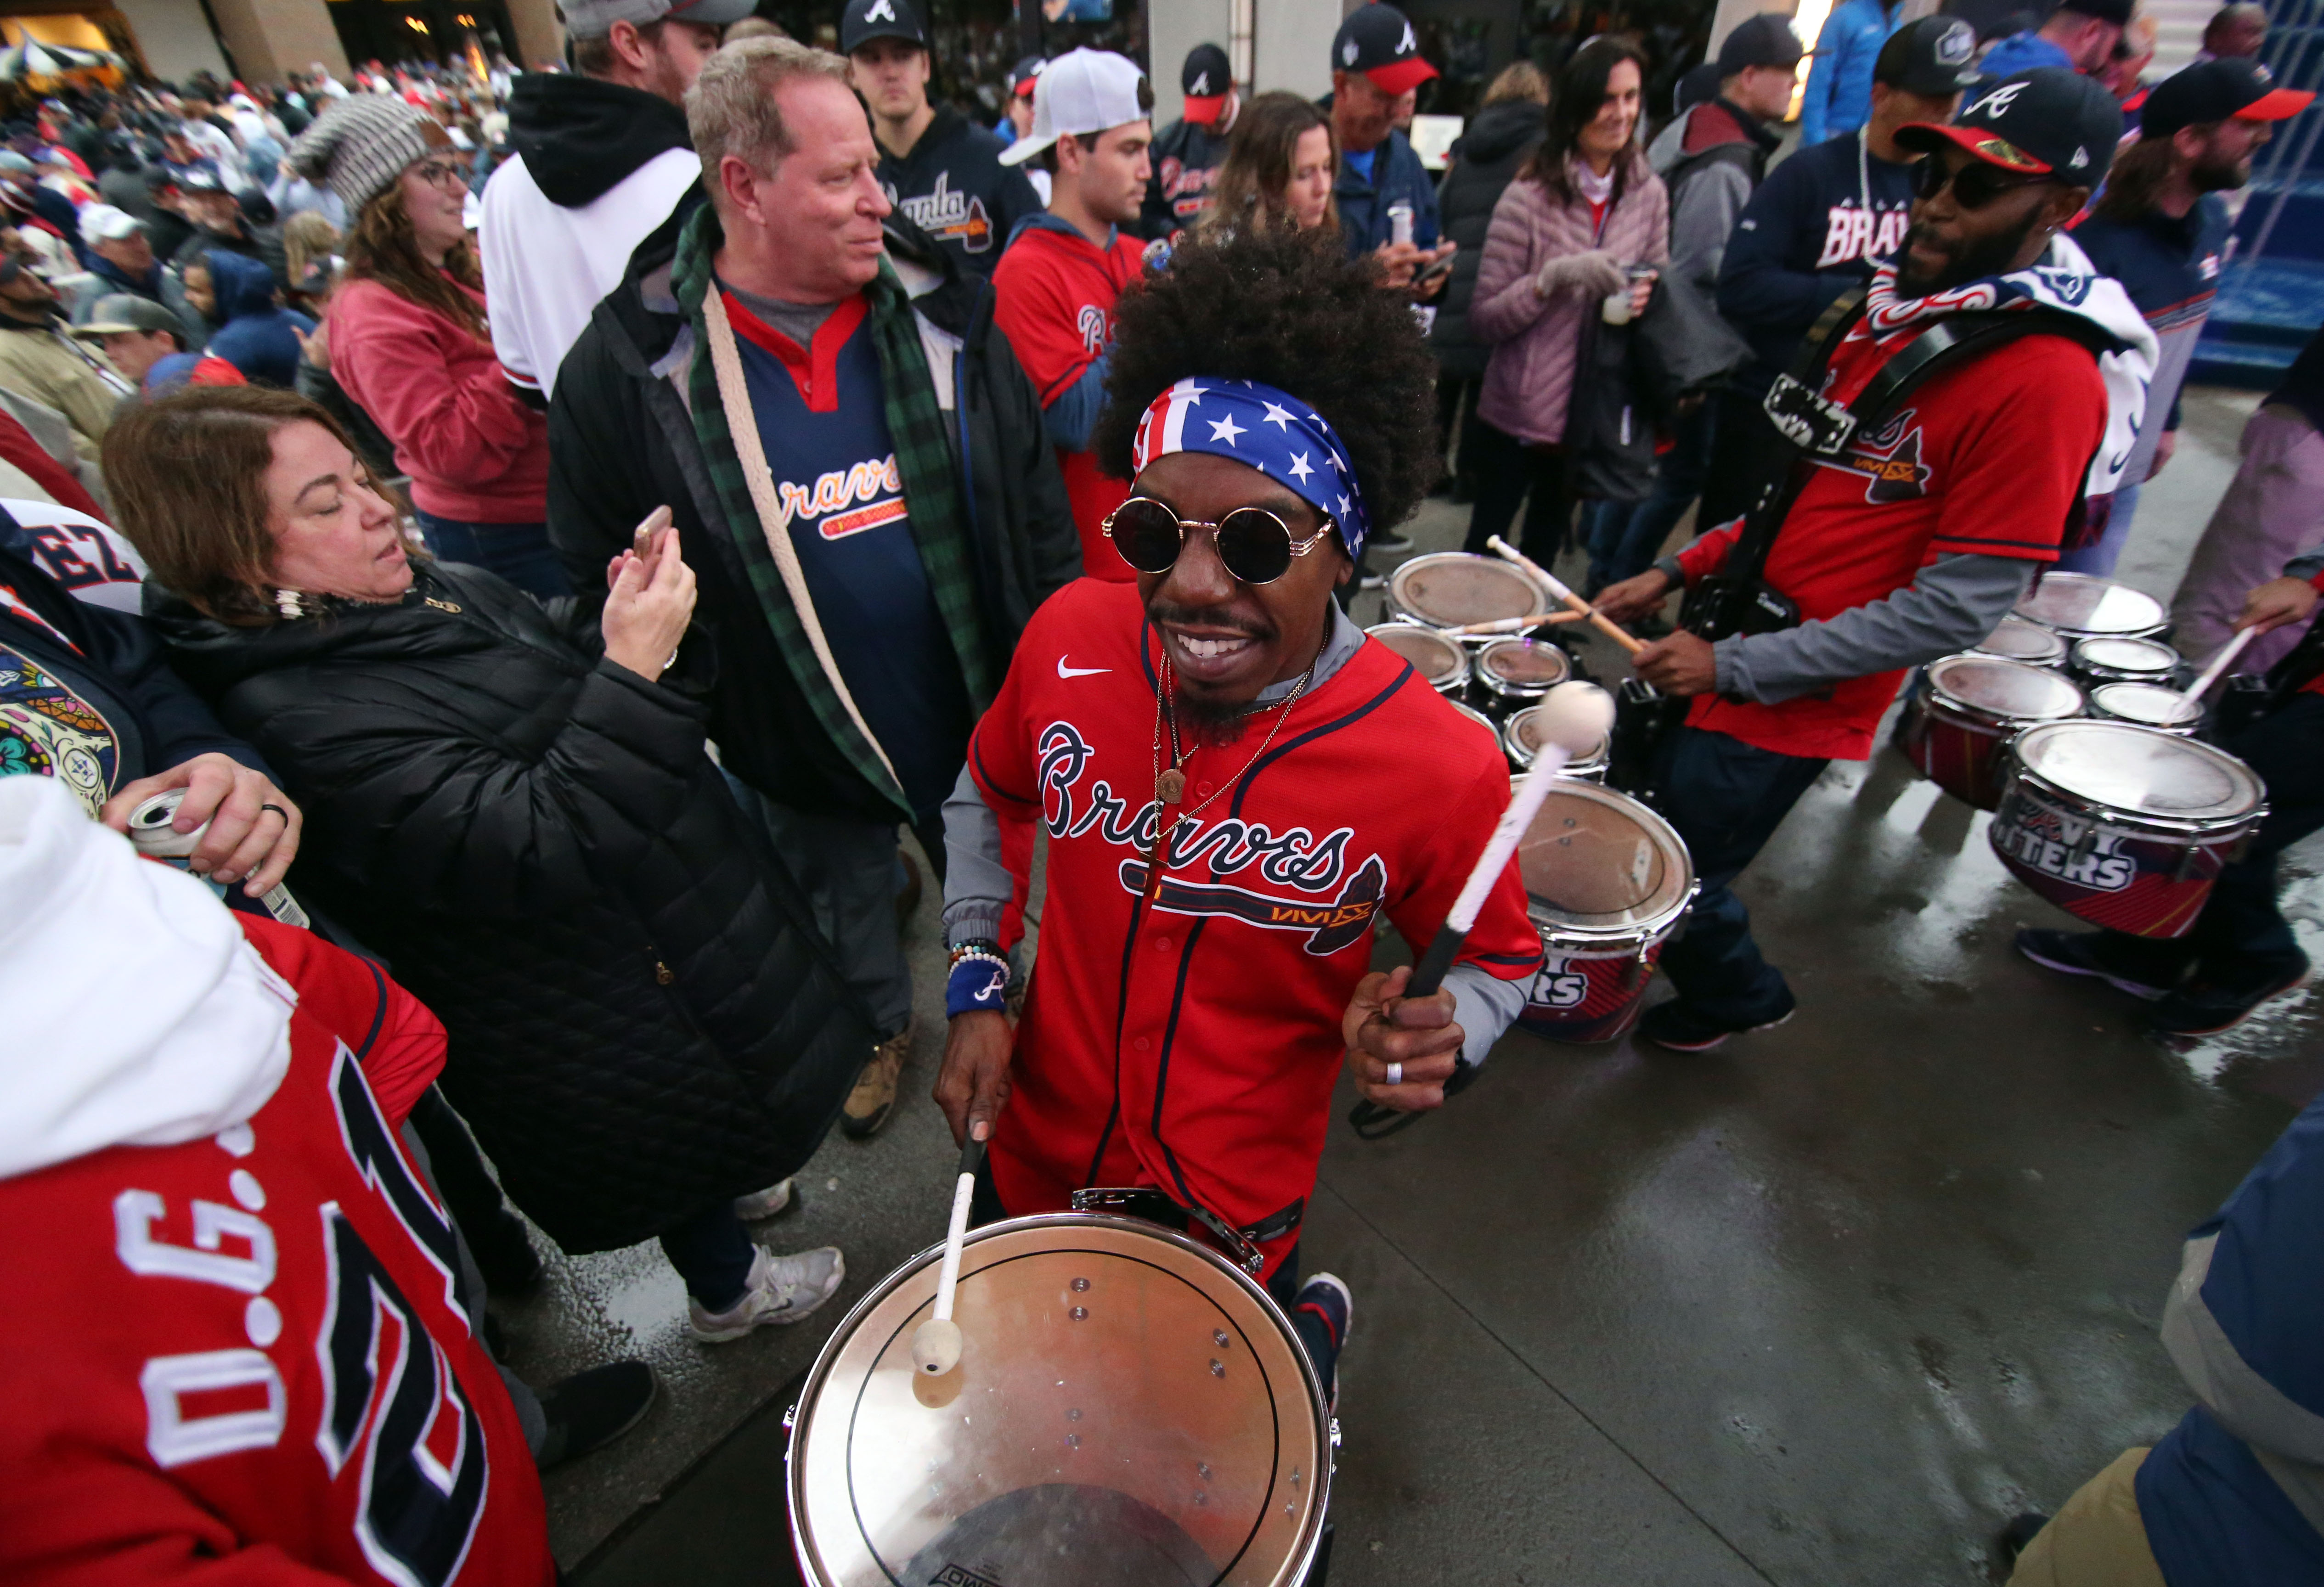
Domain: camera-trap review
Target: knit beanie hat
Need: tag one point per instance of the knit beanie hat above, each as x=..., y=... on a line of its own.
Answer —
x=360, y=145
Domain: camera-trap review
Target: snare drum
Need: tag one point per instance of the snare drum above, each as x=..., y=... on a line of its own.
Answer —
x=1514, y=673
x=2017, y=640
x=2122, y=826
x=1128, y=1409
x=1451, y=589
x=2083, y=605
x=1436, y=656
x=1520, y=745
x=1969, y=707
x=1606, y=880
x=2122, y=660
x=2149, y=706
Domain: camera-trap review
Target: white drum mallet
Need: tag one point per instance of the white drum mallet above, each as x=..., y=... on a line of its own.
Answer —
x=1573, y=719
x=936, y=1343
x=2220, y=663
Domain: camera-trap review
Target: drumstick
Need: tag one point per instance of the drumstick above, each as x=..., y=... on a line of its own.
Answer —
x=936, y=1343
x=1514, y=624
x=2220, y=663
x=1581, y=608
x=1572, y=718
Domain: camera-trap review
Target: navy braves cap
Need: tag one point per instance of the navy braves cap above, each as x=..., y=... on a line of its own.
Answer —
x=1379, y=41
x=2049, y=122
x=1022, y=74
x=1763, y=39
x=1207, y=81
x=1934, y=56
x=2228, y=87
x=862, y=21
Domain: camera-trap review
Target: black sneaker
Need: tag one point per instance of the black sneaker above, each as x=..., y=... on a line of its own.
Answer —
x=2085, y=953
x=1390, y=544
x=2018, y=1536
x=1327, y=1296
x=2207, y=1007
x=1674, y=1026
x=590, y=1410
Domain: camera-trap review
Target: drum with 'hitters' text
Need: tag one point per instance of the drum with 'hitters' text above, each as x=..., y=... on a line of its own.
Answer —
x=1606, y=880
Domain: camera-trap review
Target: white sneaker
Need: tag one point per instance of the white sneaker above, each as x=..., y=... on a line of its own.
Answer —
x=782, y=1289
x=771, y=1201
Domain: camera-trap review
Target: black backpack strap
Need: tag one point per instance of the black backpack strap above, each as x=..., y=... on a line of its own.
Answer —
x=1781, y=476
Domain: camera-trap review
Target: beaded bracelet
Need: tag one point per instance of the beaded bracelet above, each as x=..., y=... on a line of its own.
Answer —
x=979, y=981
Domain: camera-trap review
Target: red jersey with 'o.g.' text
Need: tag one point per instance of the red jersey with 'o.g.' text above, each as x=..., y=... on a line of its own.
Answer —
x=1987, y=460
x=1192, y=1044
x=243, y=1359
x=1053, y=293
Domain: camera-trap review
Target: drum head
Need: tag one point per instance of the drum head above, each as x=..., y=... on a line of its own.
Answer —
x=2010, y=691
x=2017, y=640
x=1524, y=740
x=2085, y=604
x=1450, y=588
x=2126, y=655
x=1437, y=659
x=1597, y=863
x=1531, y=663
x=2148, y=703
x=2119, y=766
x=1129, y=1411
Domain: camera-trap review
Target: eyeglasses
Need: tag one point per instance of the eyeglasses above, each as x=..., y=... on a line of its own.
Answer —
x=1255, y=545
x=440, y=173
x=1974, y=185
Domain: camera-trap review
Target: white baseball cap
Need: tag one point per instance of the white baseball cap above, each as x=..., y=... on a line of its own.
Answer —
x=102, y=223
x=1083, y=91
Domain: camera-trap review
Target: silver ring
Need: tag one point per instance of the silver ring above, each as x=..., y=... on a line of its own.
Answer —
x=1396, y=1073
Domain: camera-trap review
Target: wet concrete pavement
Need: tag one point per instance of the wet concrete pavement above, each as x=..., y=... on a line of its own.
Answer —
x=1826, y=1307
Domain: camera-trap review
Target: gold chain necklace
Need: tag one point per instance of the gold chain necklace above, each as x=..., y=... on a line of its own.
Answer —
x=1170, y=784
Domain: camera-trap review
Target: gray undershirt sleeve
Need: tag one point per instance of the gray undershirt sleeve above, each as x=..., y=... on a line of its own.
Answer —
x=2307, y=564
x=1484, y=1004
x=977, y=885
x=1950, y=604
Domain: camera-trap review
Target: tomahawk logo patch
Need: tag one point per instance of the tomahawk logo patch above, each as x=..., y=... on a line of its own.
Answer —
x=1890, y=460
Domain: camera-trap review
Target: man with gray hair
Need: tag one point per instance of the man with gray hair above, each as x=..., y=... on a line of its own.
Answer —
x=858, y=469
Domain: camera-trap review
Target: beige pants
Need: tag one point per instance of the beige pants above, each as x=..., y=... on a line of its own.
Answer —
x=2096, y=1540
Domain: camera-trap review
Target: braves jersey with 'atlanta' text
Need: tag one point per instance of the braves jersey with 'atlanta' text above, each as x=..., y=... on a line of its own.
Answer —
x=1192, y=1043
x=244, y=1358
x=1053, y=298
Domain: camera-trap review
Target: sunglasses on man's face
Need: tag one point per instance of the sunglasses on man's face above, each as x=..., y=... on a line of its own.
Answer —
x=1254, y=544
x=1975, y=185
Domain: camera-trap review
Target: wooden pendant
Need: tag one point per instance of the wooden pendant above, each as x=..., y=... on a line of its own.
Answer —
x=1171, y=786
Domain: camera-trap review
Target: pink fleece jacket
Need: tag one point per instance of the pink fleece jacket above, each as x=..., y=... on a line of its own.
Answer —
x=475, y=452
x=1537, y=340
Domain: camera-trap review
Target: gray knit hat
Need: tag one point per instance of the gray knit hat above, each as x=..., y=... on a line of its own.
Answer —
x=360, y=145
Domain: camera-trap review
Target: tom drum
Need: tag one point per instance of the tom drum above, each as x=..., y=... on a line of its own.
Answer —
x=1971, y=706
x=1606, y=880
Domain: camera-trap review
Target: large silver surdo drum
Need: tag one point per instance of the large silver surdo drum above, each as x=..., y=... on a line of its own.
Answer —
x=1129, y=1410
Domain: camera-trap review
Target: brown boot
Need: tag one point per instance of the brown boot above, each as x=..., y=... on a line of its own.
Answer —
x=874, y=1100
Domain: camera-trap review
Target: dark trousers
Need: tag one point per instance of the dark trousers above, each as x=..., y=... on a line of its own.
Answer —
x=713, y=1253
x=1726, y=799
x=1627, y=534
x=1509, y=472
x=1741, y=441
x=518, y=552
x=2241, y=941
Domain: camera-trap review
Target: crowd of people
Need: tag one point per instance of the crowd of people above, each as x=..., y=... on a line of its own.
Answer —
x=529, y=543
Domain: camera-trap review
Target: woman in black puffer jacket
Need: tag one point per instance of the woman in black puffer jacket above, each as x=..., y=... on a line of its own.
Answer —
x=524, y=820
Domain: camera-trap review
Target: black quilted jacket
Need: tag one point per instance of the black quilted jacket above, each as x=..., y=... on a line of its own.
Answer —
x=538, y=844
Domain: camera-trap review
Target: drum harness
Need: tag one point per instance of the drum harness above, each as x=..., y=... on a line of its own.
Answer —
x=1811, y=428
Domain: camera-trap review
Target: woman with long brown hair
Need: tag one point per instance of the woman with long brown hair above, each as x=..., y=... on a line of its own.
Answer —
x=1280, y=161
x=406, y=339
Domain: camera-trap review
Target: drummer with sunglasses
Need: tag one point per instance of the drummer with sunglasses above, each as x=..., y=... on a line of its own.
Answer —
x=1916, y=540
x=1187, y=1018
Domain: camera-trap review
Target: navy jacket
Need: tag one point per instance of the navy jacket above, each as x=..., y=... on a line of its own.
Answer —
x=254, y=334
x=2171, y=268
x=1186, y=159
x=1397, y=174
x=951, y=185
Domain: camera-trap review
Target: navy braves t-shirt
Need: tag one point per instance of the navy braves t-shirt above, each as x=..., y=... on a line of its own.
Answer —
x=824, y=427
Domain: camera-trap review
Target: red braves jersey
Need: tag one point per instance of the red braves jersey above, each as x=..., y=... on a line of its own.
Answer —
x=1192, y=1044
x=1053, y=296
x=248, y=1348
x=1987, y=460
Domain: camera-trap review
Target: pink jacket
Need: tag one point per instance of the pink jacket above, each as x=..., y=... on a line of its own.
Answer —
x=1529, y=377
x=475, y=452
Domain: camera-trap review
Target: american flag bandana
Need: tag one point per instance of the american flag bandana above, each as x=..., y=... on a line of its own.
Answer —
x=1273, y=432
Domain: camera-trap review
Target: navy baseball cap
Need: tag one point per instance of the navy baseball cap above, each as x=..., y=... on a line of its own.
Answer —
x=1933, y=56
x=862, y=21
x=2049, y=122
x=1021, y=76
x=1763, y=39
x=1207, y=81
x=1379, y=41
x=2227, y=87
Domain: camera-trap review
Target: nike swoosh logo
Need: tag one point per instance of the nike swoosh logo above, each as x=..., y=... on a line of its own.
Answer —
x=1065, y=672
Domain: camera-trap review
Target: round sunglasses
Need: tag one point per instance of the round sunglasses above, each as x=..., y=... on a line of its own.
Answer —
x=1974, y=185
x=1254, y=544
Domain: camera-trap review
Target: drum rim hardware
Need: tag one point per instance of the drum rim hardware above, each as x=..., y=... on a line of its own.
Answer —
x=2019, y=769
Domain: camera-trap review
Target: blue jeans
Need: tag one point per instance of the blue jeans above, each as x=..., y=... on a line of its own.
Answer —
x=518, y=552
x=713, y=1253
x=1626, y=535
x=2101, y=557
x=1726, y=799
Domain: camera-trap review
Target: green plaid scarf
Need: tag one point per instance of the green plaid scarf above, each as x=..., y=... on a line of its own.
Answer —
x=916, y=427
